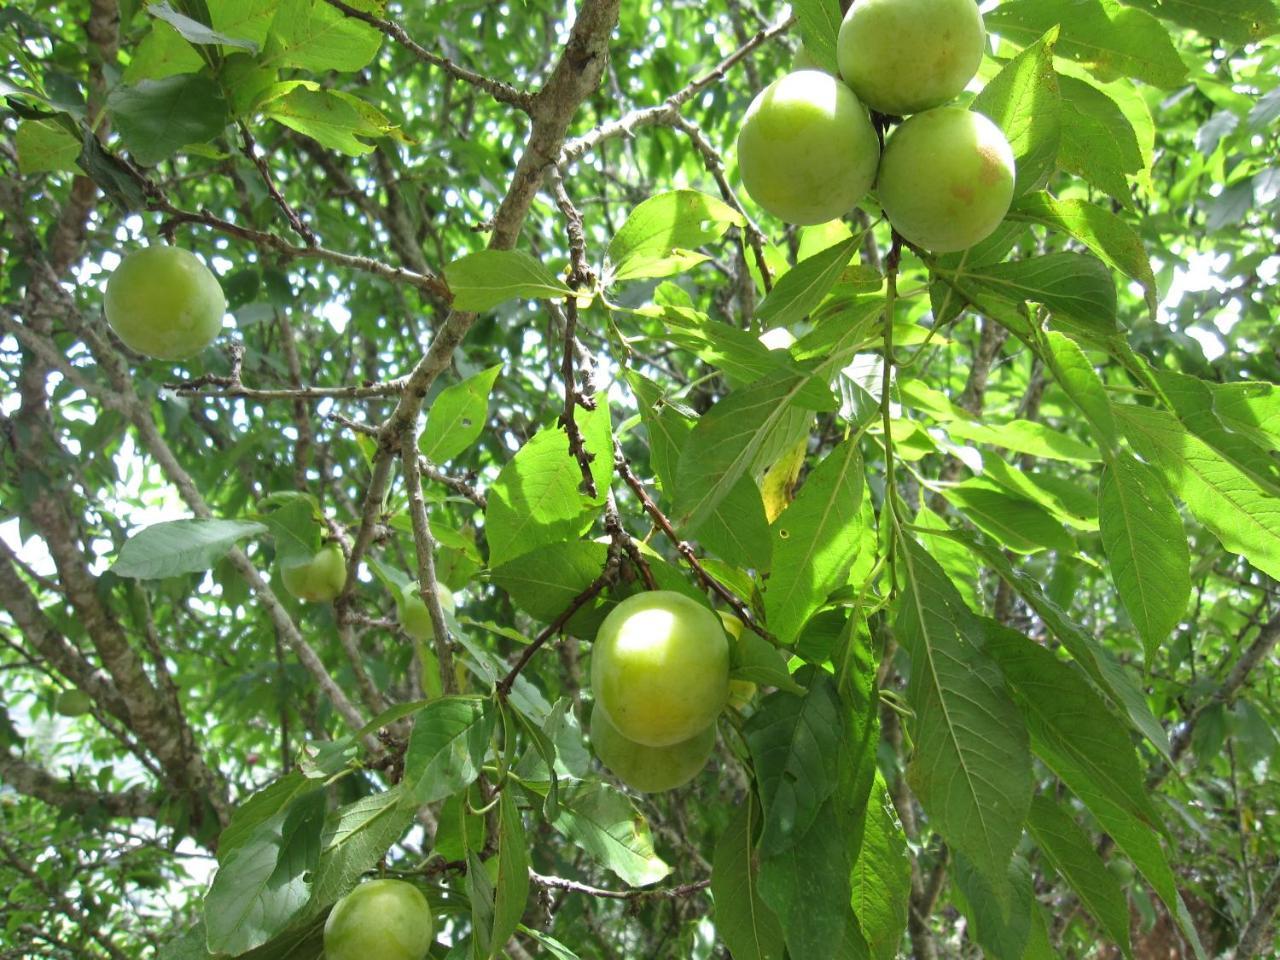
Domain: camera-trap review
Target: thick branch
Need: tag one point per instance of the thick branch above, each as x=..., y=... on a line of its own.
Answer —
x=36, y=782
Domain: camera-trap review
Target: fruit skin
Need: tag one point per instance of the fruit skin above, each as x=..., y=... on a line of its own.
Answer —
x=660, y=668
x=415, y=619
x=72, y=703
x=320, y=579
x=946, y=180
x=904, y=56
x=807, y=151
x=380, y=920
x=803, y=60
x=649, y=769
x=163, y=302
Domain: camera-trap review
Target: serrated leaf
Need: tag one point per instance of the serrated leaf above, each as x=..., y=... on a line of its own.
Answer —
x=1222, y=497
x=334, y=118
x=972, y=766
x=803, y=287
x=1077, y=377
x=1142, y=534
x=882, y=876
x=162, y=53
x=45, y=146
x=315, y=36
x=1071, y=853
x=511, y=891
x=1239, y=21
x=743, y=921
x=1110, y=39
x=1026, y=436
x=1071, y=285
x=482, y=280
x=815, y=541
x=538, y=498
x=660, y=236
x=1099, y=143
x=448, y=744
x=1024, y=102
x=794, y=744
x=356, y=837
x=261, y=807
x=156, y=118
x=1016, y=523
x=543, y=582
x=760, y=662
x=458, y=416
x=820, y=28
x=175, y=547
x=604, y=823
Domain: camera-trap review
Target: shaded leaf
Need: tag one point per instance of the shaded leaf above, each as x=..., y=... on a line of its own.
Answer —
x=175, y=547
x=482, y=280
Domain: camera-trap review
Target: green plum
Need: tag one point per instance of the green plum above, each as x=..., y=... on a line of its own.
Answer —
x=807, y=151
x=380, y=920
x=164, y=303
x=415, y=618
x=649, y=769
x=905, y=56
x=73, y=703
x=320, y=579
x=660, y=667
x=803, y=60
x=946, y=180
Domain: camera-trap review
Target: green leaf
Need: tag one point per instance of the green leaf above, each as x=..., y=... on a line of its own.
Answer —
x=511, y=892
x=1098, y=140
x=1077, y=377
x=45, y=146
x=248, y=19
x=156, y=118
x=815, y=541
x=312, y=35
x=262, y=885
x=803, y=287
x=538, y=498
x=457, y=417
x=1016, y=523
x=294, y=526
x=196, y=32
x=1110, y=238
x=759, y=661
x=794, y=744
x=175, y=547
x=356, y=837
x=972, y=767
x=603, y=822
x=882, y=876
x=746, y=925
x=998, y=909
x=448, y=744
x=1145, y=543
x=544, y=581
x=264, y=805
x=1026, y=436
x=1238, y=21
x=1071, y=285
x=482, y=280
x=1110, y=39
x=820, y=27
x=1221, y=496
x=727, y=440
x=1249, y=408
x=333, y=118
x=1069, y=850
x=162, y=53
x=1023, y=101
x=556, y=949
x=661, y=236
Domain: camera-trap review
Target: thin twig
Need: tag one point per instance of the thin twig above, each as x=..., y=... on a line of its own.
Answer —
x=664, y=893
x=249, y=148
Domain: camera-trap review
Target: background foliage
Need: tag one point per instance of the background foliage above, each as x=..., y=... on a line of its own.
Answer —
x=1008, y=521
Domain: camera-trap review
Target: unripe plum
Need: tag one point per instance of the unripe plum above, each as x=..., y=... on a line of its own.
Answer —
x=380, y=920
x=415, y=618
x=946, y=180
x=649, y=769
x=660, y=667
x=904, y=56
x=73, y=703
x=807, y=150
x=320, y=579
x=163, y=302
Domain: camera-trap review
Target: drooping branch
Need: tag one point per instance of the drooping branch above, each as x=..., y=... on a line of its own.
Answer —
x=38, y=783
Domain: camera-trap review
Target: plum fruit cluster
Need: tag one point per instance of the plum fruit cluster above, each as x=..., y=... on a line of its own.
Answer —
x=163, y=302
x=380, y=920
x=319, y=579
x=660, y=677
x=808, y=150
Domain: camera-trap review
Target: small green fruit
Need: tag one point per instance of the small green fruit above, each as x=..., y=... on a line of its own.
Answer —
x=380, y=920
x=660, y=668
x=649, y=769
x=320, y=579
x=946, y=180
x=905, y=56
x=73, y=703
x=807, y=151
x=163, y=302
x=415, y=619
